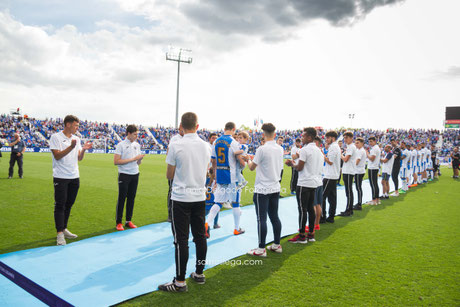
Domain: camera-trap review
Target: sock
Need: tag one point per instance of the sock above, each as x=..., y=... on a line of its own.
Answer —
x=179, y=283
x=212, y=214
x=236, y=217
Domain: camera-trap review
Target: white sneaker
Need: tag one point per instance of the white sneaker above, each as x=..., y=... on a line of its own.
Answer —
x=260, y=252
x=275, y=248
x=60, y=239
x=69, y=235
x=227, y=205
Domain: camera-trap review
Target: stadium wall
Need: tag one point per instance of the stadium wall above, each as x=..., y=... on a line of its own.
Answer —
x=110, y=151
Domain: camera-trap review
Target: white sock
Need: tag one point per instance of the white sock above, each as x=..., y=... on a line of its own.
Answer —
x=236, y=217
x=180, y=283
x=212, y=214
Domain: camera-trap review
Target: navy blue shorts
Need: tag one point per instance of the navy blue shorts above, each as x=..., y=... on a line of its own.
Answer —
x=318, y=195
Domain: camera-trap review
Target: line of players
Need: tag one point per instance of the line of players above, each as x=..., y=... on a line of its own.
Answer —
x=417, y=164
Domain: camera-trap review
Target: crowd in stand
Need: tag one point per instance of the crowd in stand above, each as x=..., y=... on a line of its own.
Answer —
x=36, y=133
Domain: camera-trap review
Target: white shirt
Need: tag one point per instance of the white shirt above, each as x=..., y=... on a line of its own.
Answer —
x=333, y=154
x=128, y=150
x=349, y=167
x=375, y=151
x=310, y=176
x=362, y=156
x=427, y=155
x=175, y=138
x=191, y=156
x=406, y=161
x=67, y=166
x=414, y=158
x=295, y=150
x=387, y=167
x=269, y=160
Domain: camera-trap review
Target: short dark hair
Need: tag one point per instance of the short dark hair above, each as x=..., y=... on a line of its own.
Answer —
x=348, y=133
x=360, y=139
x=371, y=138
x=310, y=131
x=229, y=126
x=281, y=137
x=297, y=140
x=332, y=134
x=211, y=135
x=70, y=119
x=131, y=129
x=189, y=120
x=268, y=128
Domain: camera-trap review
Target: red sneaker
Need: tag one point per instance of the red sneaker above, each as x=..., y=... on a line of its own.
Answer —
x=120, y=227
x=317, y=227
x=237, y=232
x=206, y=230
x=130, y=225
x=298, y=239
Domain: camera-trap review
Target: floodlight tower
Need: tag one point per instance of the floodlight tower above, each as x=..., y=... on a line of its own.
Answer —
x=351, y=116
x=180, y=56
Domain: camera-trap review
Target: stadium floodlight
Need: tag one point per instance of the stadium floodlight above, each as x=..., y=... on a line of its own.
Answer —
x=180, y=56
x=351, y=116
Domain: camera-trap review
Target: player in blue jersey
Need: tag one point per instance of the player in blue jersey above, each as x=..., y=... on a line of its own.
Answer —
x=225, y=155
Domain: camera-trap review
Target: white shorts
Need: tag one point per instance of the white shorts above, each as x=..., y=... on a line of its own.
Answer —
x=227, y=193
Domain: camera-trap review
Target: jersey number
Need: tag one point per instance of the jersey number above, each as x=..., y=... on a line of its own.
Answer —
x=221, y=155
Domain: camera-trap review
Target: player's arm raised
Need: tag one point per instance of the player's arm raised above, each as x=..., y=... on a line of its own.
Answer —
x=81, y=153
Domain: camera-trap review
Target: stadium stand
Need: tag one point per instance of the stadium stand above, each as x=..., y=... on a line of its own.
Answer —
x=37, y=132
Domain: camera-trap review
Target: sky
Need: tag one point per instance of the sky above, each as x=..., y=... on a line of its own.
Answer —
x=295, y=63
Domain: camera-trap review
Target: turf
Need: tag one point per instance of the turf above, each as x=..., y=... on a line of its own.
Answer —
x=29, y=202
x=403, y=252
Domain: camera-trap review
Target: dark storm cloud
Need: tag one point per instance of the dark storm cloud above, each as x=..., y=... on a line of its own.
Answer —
x=262, y=17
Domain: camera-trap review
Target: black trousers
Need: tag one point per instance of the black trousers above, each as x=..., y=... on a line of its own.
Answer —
x=13, y=159
x=329, y=193
x=186, y=215
x=65, y=193
x=294, y=178
x=359, y=187
x=170, y=182
x=267, y=204
x=373, y=175
x=127, y=188
x=395, y=175
x=305, y=203
x=348, y=181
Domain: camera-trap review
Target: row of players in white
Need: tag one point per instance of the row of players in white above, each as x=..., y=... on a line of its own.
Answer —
x=416, y=163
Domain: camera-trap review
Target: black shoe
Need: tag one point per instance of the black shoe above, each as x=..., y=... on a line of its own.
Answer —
x=322, y=220
x=330, y=219
x=357, y=207
x=346, y=213
x=197, y=278
x=172, y=287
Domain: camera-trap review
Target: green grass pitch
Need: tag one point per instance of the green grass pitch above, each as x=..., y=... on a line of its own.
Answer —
x=404, y=252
